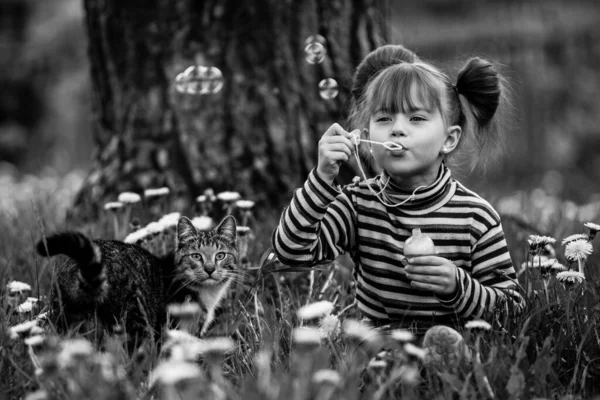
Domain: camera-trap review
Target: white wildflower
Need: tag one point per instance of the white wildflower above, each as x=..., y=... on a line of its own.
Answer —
x=409, y=374
x=244, y=204
x=32, y=299
x=217, y=345
x=330, y=326
x=35, y=340
x=203, y=223
x=306, y=336
x=537, y=242
x=577, y=236
x=478, y=324
x=402, y=335
x=154, y=228
x=327, y=376
x=156, y=192
x=359, y=330
x=375, y=363
x=201, y=199
x=136, y=236
x=578, y=250
x=242, y=230
x=113, y=205
x=129, y=198
x=25, y=307
x=539, y=262
x=228, y=197
x=169, y=220
x=570, y=277
x=22, y=329
x=185, y=310
x=17, y=287
x=74, y=349
x=180, y=336
x=171, y=372
x=592, y=227
x=415, y=351
x=315, y=310
x=558, y=267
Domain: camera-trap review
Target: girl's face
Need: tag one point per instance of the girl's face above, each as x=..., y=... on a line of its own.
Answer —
x=424, y=136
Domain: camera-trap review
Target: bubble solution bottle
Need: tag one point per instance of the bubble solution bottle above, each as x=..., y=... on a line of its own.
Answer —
x=418, y=244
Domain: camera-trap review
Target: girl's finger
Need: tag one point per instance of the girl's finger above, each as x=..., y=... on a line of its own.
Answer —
x=423, y=269
x=426, y=260
x=334, y=147
x=336, y=156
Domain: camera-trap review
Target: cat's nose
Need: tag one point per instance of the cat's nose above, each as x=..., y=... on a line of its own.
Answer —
x=209, y=269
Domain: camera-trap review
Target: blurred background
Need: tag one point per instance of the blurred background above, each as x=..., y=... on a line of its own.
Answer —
x=550, y=50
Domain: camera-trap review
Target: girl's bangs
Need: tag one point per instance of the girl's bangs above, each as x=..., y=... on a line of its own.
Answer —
x=403, y=88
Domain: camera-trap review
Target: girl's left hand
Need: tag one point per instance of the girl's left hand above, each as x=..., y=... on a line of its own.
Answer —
x=432, y=273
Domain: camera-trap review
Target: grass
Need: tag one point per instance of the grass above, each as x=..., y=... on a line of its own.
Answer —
x=551, y=351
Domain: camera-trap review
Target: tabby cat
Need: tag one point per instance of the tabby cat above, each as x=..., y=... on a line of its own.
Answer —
x=108, y=283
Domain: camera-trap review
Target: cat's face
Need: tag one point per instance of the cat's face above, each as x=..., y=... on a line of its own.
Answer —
x=206, y=258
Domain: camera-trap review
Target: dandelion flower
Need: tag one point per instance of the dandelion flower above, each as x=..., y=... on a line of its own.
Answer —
x=33, y=341
x=327, y=376
x=415, y=351
x=136, y=236
x=242, y=230
x=578, y=250
x=330, y=326
x=315, y=310
x=228, y=197
x=183, y=310
x=22, y=329
x=169, y=220
x=375, y=364
x=203, y=223
x=72, y=350
x=154, y=228
x=157, y=192
x=577, y=236
x=25, y=307
x=129, y=198
x=592, y=227
x=180, y=336
x=557, y=267
x=537, y=243
x=570, y=277
x=216, y=345
x=359, y=330
x=478, y=324
x=201, y=199
x=244, y=204
x=172, y=372
x=402, y=335
x=17, y=287
x=113, y=205
x=306, y=337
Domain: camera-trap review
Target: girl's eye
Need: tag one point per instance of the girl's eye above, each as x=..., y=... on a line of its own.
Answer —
x=219, y=256
x=196, y=257
x=383, y=119
x=417, y=119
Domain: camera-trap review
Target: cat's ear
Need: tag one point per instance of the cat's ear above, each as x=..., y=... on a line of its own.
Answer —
x=227, y=228
x=185, y=231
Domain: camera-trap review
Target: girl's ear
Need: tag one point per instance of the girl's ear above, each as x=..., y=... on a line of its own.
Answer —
x=452, y=139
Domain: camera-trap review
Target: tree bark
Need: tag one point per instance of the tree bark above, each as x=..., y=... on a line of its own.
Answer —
x=259, y=134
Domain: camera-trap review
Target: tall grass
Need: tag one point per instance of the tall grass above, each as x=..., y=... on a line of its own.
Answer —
x=550, y=351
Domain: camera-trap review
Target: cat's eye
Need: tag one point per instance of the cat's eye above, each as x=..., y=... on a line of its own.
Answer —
x=196, y=256
x=219, y=256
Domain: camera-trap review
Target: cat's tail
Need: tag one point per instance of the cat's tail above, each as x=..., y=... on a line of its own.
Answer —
x=77, y=246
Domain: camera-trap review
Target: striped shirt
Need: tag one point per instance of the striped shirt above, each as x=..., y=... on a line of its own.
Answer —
x=323, y=222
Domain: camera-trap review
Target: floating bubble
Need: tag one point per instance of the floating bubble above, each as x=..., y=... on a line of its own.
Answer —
x=315, y=53
x=315, y=39
x=199, y=79
x=328, y=88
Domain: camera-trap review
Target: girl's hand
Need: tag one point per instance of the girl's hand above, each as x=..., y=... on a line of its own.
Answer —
x=432, y=273
x=335, y=148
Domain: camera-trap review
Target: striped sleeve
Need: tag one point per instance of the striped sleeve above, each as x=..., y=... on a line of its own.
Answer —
x=491, y=287
x=319, y=224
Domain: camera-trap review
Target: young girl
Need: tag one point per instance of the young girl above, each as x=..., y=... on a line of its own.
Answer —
x=404, y=101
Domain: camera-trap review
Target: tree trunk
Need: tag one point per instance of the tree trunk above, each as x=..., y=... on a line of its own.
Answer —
x=259, y=134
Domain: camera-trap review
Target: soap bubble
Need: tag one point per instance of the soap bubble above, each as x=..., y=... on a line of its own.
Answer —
x=315, y=39
x=328, y=88
x=315, y=53
x=199, y=79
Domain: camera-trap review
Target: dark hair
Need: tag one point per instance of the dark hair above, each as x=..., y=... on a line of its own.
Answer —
x=473, y=103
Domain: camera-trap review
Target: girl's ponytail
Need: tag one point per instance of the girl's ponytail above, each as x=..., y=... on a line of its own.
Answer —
x=479, y=82
x=482, y=92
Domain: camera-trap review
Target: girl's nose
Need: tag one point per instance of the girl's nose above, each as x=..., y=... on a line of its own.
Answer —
x=398, y=129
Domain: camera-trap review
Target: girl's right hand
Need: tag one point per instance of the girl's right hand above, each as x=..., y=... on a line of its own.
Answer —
x=335, y=147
